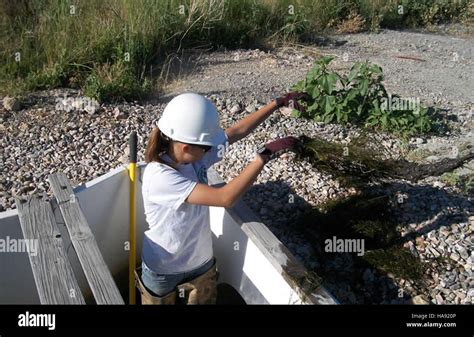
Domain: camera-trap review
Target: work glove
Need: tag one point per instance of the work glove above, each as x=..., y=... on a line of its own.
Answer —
x=277, y=147
x=291, y=100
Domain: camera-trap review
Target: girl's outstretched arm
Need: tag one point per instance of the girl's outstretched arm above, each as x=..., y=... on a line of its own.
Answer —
x=246, y=125
x=227, y=195
x=243, y=127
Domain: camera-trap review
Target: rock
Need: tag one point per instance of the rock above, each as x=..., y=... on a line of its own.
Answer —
x=11, y=103
x=419, y=141
x=432, y=158
x=471, y=223
x=439, y=184
x=420, y=243
x=4, y=115
x=419, y=300
x=235, y=109
x=92, y=107
x=463, y=252
x=431, y=235
x=455, y=286
x=460, y=294
x=454, y=257
x=439, y=299
x=118, y=114
x=434, y=252
x=286, y=111
x=250, y=108
x=78, y=104
x=325, y=191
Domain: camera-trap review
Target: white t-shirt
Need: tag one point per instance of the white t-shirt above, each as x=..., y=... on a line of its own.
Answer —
x=179, y=237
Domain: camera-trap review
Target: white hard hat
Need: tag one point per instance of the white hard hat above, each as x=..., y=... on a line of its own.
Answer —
x=192, y=118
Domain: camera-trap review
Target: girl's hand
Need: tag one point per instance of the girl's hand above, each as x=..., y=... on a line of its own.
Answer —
x=291, y=100
x=275, y=148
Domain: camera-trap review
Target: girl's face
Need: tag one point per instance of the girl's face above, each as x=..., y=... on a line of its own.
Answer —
x=188, y=153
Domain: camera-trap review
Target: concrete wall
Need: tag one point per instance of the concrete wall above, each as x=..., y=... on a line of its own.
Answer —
x=244, y=266
x=17, y=285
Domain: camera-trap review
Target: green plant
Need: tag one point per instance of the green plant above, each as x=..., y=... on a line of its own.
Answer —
x=116, y=81
x=359, y=98
x=464, y=182
x=54, y=43
x=397, y=260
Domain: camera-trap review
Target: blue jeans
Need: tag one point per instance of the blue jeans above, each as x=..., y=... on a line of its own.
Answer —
x=162, y=284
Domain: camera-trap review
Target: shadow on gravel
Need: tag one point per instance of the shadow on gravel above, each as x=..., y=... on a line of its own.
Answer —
x=321, y=41
x=442, y=208
x=374, y=217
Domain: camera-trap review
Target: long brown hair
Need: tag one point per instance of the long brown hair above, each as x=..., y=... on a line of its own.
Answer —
x=158, y=144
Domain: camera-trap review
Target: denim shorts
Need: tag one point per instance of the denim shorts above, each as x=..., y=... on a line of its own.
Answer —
x=162, y=284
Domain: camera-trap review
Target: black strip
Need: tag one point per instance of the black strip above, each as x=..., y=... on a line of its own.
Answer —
x=133, y=147
x=225, y=318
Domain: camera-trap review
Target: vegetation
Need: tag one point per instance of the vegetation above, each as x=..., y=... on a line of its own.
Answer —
x=360, y=162
x=359, y=98
x=465, y=183
x=119, y=48
x=398, y=261
x=367, y=217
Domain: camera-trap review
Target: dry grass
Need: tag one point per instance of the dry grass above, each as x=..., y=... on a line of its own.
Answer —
x=355, y=23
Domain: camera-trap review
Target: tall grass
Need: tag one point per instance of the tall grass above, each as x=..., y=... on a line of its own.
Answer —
x=112, y=48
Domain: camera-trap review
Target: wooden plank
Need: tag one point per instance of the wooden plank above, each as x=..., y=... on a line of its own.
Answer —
x=52, y=271
x=98, y=275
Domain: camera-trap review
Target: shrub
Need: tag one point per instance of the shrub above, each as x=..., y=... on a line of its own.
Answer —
x=359, y=98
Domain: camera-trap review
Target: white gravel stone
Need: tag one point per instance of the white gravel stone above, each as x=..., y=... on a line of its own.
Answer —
x=11, y=103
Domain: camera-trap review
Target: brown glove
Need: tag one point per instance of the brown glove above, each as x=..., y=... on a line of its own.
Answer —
x=291, y=100
x=276, y=147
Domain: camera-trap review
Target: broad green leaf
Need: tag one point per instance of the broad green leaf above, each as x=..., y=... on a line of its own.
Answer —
x=329, y=103
x=296, y=113
x=352, y=93
x=313, y=107
x=376, y=105
x=300, y=86
x=313, y=73
x=332, y=81
x=375, y=69
x=328, y=118
x=309, y=88
x=344, y=81
x=339, y=115
x=328, y=82
x=354, y=71
x=317, y=118
x=325, y=60
x=364, y=86
x=315, y=92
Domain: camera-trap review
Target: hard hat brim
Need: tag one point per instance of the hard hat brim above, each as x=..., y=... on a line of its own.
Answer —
x=220, y=137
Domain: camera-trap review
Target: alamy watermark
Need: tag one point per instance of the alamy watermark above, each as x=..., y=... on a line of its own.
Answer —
x=69, y=104
x=11, y=245
x=400, y=103
x=336, y=245
x=37, y=320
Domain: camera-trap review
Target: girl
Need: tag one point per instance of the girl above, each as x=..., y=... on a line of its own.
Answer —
x=177, y=247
